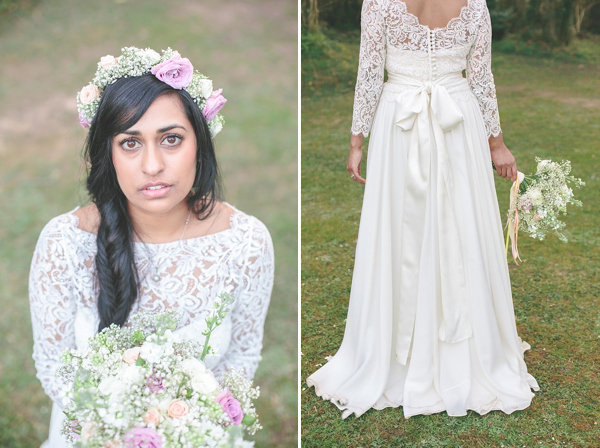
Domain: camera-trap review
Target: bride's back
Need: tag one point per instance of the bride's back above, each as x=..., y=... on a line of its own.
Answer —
x=435, y=13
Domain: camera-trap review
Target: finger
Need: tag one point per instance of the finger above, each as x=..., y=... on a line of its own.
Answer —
x=504, y=169
x=357, y=176
x=509, y=173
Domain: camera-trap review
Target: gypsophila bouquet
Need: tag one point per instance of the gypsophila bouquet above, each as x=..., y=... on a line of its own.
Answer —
x=140, y=386
x=538, y=200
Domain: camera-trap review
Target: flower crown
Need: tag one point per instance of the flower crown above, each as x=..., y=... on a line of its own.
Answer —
x=170, y=68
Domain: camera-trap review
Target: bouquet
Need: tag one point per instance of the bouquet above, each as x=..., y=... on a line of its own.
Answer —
x=140, y=386
x=537, y=200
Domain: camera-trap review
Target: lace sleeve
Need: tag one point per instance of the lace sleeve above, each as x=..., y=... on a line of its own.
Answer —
x=480, y=77
x=371, y=66
x=250, y=309
x=52, y=305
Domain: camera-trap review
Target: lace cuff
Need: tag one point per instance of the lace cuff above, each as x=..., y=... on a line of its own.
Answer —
x=480, y=77
x=52, y=305
x=371, y=66
x=250, y=310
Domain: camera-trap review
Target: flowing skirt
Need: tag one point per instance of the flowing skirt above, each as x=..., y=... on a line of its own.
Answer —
x=430, y=324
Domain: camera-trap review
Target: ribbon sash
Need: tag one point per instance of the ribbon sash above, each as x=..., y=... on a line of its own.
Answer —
x=428, y=110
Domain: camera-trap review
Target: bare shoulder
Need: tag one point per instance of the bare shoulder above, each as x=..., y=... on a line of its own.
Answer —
x=89, y=218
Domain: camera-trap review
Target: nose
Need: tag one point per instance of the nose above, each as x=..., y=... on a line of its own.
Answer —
x=152, y=160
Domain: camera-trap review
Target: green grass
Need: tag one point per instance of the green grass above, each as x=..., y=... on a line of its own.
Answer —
x=47, y=55
x=549, y=108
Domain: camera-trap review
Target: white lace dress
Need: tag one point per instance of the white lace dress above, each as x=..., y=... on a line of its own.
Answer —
x=63, y=291
x=430, y=324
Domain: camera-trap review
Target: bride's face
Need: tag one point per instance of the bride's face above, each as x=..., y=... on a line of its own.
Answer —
x=155, y=159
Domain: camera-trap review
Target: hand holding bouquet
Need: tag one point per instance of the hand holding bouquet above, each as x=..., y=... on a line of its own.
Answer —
x=537, y=200
x=140, y=386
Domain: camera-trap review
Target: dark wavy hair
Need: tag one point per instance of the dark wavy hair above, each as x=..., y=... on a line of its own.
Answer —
x=123, y=103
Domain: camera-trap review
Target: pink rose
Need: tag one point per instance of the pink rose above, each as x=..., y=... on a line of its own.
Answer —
x=142, y=437
x=107, y=61
x=176, y=72
x=152, y=416
x=178, y=409
x=213, y=105
x=231, y=407
x=84, y=122
x=131, y=355
x=89, y=94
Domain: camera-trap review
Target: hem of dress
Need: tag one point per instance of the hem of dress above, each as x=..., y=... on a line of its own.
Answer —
x=495, y=405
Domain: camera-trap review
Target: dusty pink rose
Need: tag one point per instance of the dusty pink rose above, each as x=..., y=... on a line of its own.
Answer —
x=536, y=217
x=178, y=409
x=142, y=438
x=213, y=105
x=84, y=122
x=176, y=72
x=131, y=355
x=154, y=384
x=89, y=94
x=231, y=407
x=152, y=416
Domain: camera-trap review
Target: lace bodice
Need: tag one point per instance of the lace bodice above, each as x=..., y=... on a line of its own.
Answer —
x=392, y=38
x=238, y=260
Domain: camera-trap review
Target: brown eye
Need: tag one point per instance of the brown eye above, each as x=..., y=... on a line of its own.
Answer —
x=130, y=144
x=172, y=140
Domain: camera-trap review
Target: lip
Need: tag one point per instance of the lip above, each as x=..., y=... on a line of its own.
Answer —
x=158, y=193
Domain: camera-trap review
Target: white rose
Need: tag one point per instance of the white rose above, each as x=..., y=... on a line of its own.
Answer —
x=152, y=55
x=215, y=127
x=151, y=352
x=535, y=195
x=105, y=385
x=205, y=87
x=107, y=61
x=117, y=390
x=193, y=367
x=205, y=383
x=131, y=374
x=89, y=94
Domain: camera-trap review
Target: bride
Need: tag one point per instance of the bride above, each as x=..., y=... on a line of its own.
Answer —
x=156, y=237
x=430, y=323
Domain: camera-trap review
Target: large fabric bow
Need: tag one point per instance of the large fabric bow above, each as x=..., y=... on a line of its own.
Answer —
x=427, y=109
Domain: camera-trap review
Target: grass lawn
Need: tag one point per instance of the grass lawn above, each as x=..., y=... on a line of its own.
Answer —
x=548, y=108
x=50, y=51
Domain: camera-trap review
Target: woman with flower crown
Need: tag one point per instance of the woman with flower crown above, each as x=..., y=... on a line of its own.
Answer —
x=156, y=237
x=430, y=325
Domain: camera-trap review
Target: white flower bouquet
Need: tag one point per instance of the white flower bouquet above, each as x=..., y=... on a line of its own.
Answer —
x=140, y=386
x=538, y=200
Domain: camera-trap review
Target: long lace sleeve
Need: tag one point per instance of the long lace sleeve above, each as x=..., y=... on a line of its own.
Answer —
x=480, y=77
x=371, y=66
x=250, y=310
x=53, y=306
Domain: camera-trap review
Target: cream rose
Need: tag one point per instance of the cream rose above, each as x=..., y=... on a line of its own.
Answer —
x=152, y=416
x=205, y=383
x=87, y=431
x=108, y=61
x=131, y=355
x=89, y=94
x=178, y=409
x=193, y=366
x=206, y=87
x=535, y=195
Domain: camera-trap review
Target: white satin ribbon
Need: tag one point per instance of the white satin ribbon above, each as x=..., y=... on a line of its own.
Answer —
x=428, y=110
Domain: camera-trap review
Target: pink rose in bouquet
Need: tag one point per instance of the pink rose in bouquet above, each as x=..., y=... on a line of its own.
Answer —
x=231, y=407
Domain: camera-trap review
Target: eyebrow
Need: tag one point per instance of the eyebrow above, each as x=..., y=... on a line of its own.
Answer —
x=160, y=131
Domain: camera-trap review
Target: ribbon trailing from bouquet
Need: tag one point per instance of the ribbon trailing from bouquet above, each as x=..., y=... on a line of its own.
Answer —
x=512, y=225
x=427, y=110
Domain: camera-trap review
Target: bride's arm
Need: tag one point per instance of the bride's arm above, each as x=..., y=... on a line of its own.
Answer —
x=481, y=82
x=371, y=65
x=52, y=306
x=250, y=309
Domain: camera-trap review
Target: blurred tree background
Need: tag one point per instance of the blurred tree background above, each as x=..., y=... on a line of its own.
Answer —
x=529, y=27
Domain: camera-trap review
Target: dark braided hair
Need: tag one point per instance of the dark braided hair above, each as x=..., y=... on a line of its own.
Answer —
x=122, y=105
